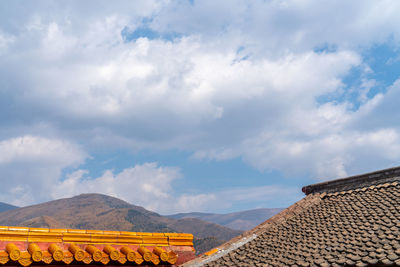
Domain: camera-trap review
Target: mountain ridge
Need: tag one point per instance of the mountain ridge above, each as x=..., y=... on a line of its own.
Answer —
x=5, y=206
x=241, y=220
x=102, y=212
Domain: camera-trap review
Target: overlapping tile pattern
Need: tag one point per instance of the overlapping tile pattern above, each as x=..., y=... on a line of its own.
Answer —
x=25, y=246
x=356, y=227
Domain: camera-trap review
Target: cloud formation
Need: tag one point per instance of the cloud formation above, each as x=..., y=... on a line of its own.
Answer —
x=263, y=81
x=31, y=165
x=151, y=186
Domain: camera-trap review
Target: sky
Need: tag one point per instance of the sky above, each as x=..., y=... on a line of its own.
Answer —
x=180, y=106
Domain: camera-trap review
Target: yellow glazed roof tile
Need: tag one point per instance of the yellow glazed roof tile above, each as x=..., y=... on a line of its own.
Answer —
x=14, y=233
x=185, y=235
x=171, y=234
x=179, y=235
x=41, y=230
x=96, y=238
x=44, y=234
x=144, y=234
x=44, y=237
x=158, y=234
x=130, y=239
x=94, y=231
x=111, y=232
x=155, y=245
x=76, y=231
x=18, y=228
x=75, y=237
x=78, y=236
x=58, y=230
x=56, y=254
x=127, y=233
x=155, y=240
x=210, y=252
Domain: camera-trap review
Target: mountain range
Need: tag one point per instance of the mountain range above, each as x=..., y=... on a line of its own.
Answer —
x=242, y=220
x=5, y=207
x=96, y=211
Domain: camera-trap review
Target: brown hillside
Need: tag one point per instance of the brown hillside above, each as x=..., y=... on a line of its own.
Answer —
x=42, y=221
x=202, y=229
x=242, y=220
x=96, y=211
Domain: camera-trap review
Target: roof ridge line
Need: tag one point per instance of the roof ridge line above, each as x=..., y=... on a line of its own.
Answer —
x=368, y=187
x=249, y=235
x=355, y=181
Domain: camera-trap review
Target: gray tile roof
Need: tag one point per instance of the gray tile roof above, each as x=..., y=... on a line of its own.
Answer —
x=353, y=223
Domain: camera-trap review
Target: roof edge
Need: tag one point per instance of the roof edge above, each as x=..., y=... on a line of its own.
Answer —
x=251, y=234
x=353, y=182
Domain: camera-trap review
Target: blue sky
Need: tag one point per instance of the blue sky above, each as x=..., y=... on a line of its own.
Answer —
x=178, y=106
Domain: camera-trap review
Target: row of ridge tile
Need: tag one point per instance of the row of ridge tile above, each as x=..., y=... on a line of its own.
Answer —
x=82, y=231
x=11, y=233
x=141, y=255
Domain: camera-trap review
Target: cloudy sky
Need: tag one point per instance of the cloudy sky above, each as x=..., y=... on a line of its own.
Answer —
x=195, y=105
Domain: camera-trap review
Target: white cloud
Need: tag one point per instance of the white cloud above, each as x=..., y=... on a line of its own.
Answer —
x=242, y=80
x=5, y=41
x=31, y=165
x=147, y=185
x=163, y=94
x=329, y=156
x=236, y=198
x=37, y=149
x=151, y=186
x=274, y=28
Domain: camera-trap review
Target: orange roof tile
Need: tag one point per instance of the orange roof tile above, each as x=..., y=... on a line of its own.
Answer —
x=23, y=246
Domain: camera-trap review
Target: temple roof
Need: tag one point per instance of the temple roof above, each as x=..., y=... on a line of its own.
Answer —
x=353, y=221
x=24, y=246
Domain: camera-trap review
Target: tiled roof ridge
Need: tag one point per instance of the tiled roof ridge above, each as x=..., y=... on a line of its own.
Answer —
x=95, y=236
x=362, y=189
x=86, y=231
x=247, y=236
x=355, y=182
x=359, y=227
x=72, y=246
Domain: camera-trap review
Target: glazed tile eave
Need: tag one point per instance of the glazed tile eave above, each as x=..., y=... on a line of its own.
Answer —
x=25, y=246
x=93, y=236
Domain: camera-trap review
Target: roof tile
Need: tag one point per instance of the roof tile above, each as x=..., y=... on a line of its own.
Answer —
x=352, y=222
x=55, y=246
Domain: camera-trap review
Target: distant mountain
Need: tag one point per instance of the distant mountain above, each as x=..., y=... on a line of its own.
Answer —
x=5, y=207
x=243, y=220
x=96, y=211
